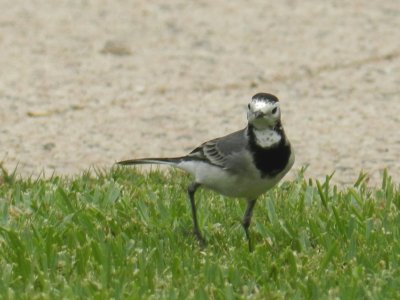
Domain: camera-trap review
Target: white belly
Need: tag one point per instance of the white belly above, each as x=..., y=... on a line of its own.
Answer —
x=248, y=184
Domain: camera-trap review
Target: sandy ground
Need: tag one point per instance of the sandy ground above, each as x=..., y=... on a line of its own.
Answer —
x=87, y=83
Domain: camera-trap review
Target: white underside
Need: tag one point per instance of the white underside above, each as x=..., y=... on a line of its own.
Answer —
x=248, y=184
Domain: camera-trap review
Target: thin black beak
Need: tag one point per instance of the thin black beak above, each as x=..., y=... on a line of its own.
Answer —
x=259, y=114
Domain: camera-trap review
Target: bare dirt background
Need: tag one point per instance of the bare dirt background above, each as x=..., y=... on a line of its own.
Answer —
x=87, y=83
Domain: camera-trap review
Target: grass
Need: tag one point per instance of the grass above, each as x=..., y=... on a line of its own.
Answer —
x=126, y=235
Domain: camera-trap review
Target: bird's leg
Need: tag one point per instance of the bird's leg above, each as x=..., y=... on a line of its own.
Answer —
x=247, y=219
x=191, y=190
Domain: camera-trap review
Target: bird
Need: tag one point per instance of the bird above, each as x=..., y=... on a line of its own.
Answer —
x=244, y=164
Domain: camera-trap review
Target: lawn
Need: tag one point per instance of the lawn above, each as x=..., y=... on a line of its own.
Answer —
x=124, y=234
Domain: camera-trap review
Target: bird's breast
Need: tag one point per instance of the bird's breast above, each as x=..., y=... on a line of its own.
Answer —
x=246, y=184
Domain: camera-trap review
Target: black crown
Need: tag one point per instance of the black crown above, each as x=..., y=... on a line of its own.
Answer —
x=265, y=97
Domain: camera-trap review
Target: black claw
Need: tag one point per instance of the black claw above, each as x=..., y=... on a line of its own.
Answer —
x=200, y=239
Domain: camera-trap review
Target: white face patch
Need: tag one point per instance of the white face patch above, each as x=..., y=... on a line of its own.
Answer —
x=262, y=114
x=267, y=138
x=262, y=106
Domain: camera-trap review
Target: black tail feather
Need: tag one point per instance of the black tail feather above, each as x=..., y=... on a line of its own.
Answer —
x=142, y=161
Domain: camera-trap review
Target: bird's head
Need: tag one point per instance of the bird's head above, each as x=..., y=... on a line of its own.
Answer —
x=263, y=111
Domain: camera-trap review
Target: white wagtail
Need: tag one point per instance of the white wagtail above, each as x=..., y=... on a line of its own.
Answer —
x=243, y=164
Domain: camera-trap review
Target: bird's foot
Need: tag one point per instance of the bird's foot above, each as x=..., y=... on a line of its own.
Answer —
x=200, y=239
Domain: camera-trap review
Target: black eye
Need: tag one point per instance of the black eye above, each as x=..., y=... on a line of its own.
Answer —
x=248, y=106
x=274, y=110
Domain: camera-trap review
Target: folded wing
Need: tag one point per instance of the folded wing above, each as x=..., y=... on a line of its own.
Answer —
x=220, y=151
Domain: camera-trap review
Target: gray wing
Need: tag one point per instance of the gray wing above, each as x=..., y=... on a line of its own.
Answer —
x=220, y=151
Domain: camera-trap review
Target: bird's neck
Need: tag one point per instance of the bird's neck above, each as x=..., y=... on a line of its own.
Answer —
x=266, y=137
x=271, y=155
